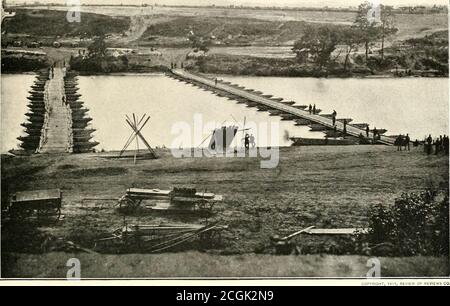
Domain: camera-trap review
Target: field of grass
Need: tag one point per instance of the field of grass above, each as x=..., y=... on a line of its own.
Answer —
x=264, y=27
x=54, y=24
x=329, y=187
x=200, y=265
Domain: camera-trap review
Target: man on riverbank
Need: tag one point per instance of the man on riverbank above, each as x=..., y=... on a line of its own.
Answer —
x=446, y=144
x=429, y=142
x=247, y=142
x=398, y=142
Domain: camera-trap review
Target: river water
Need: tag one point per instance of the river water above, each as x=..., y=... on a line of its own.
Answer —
x=183, y=115
x=13, y=108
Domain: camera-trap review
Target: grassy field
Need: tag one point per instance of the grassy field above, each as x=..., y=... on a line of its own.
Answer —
x=200, y=265
x=170, y=25
x=54, y=24
x=329, y=187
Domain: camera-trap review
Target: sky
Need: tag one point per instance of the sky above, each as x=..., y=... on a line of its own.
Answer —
x=294, y=3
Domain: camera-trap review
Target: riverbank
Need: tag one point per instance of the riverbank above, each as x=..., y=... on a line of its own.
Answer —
x=329, y=187
x=240, y=65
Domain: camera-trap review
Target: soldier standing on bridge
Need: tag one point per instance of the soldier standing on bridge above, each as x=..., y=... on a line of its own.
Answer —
x=334, y=117
x=314, y=109
x=367, y=131
x=310, y=109
x=345, y=126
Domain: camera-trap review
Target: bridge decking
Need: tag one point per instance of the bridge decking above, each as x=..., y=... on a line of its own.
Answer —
x=303, y=114
x=57, y=130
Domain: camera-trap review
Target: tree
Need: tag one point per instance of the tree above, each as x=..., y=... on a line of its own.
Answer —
x=365, y=22
x=199, y=43
x=98, y=47
x=375, y=23
x=317, y=43
x=351, y=38
x=386, y=25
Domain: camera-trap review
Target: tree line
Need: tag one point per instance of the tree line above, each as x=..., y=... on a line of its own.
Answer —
x=371, y=25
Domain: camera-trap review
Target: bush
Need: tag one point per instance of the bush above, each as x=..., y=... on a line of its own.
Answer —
x=54, y=23
x=99, y=64
x=22, y=64
x=417, y=224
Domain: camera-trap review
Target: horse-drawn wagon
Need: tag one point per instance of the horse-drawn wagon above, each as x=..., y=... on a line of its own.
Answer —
x=44, y=203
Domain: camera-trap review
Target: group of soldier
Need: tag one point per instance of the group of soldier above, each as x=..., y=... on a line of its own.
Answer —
x=440, y=144
x=312, y=109
x=403, y=141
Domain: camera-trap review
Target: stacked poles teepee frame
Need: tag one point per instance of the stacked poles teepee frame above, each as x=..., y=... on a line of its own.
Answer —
x=137, y=127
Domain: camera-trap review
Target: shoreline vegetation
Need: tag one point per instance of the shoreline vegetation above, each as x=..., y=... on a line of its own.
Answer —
x=217, y=64
x=356, y=49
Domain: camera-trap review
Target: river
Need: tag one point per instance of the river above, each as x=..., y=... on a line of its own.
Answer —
x=417, y=106
x=13, y=108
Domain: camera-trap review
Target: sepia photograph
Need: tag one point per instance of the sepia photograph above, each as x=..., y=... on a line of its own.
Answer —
x=240, y=140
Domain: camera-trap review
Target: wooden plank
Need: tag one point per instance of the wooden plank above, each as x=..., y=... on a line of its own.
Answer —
x=37, y=195
x=335, y=231
x=159, y=192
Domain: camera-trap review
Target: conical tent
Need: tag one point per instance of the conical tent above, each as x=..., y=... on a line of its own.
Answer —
x=137, y=127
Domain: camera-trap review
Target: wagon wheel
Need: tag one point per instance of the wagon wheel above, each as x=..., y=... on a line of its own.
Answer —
x=128, y=204
x=21, y=213
x=50, y=211
x=204, y=206
x=135, y=204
